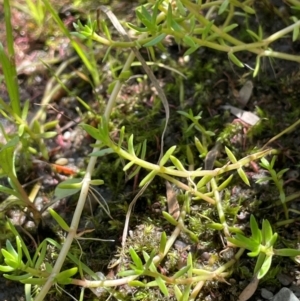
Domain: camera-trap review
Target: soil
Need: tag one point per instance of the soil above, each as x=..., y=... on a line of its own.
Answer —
x=212, y=82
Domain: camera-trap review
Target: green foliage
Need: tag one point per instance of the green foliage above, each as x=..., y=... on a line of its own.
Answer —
x=276, y=177
x=261, y=244
x=193, y=30
x=20, y=265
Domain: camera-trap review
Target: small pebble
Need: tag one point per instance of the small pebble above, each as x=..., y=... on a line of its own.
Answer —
x=285, y=280
x=285, y=294
x=62, y=161
x=67, y=135
x=205, y=256
x=266, y=294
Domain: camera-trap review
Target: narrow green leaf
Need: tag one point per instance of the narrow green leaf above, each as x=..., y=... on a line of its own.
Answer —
x=162, y=286
x=225, y=183
x=169, y=17
x=144, y=148
x=105, y=29
x=186, y=292
x=144, y=18
x=25, y=110
x=128, y=165
x=265, y=267
x=167, y=155
x=155, y=10
x=207, y=29
x=296, y=29
x=13, y=254
x=273, y=162
x=189, y=41
x=127, y=273
x=178, y=293
x=200, y=147
x=237, y=243
x=136, y=259
x=156, y=40
x=6, y=269
x=25, y=249
x=19, y=250
x=181, y=272
x=267, y=231
x=122, y=135
x=253, y=34
x=18, y=277
x=102, y=152
x=259, y=262
x=223, y=7
x=272, y=241
x=230, y=27
x=12, y=263
x=175, y=26
x=41, y=253
x=47, y=135
x=148, y=178
x=162, y=244
x=230, y=155
x=281, y=172
x=235, y=60
x=149, y=260
x=146, y=14
x=92, y=131
x=181, y=8
x=257, y=66
x=27, y=291
x=9, y=29
x=7, y=191
x=254, y=253
x=10, y=144
x=10, y=75
x=177, y=163
x=215, y=226
x=287, y=252
x=34, y=281
x=255, y=231
x=65, y=275
x=264, y=163
x=204, y=180
x=67, y=188
x=96, y=182
x=243, y=176
x=59, y=220
x=191, y=50
x=137, y=283
x=134, y=173
x=137, y=28
x=248, y=9
x=169, y=218
x=244, y=242
x=21, y=130
x=130, y=146
x=261, y=180
x=190, y=263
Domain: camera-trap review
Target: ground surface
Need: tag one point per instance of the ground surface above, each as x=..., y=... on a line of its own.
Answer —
x=211, y=82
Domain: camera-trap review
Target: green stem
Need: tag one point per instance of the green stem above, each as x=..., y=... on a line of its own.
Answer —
x=219, y=206
x=82, y=198
x=162, y=170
